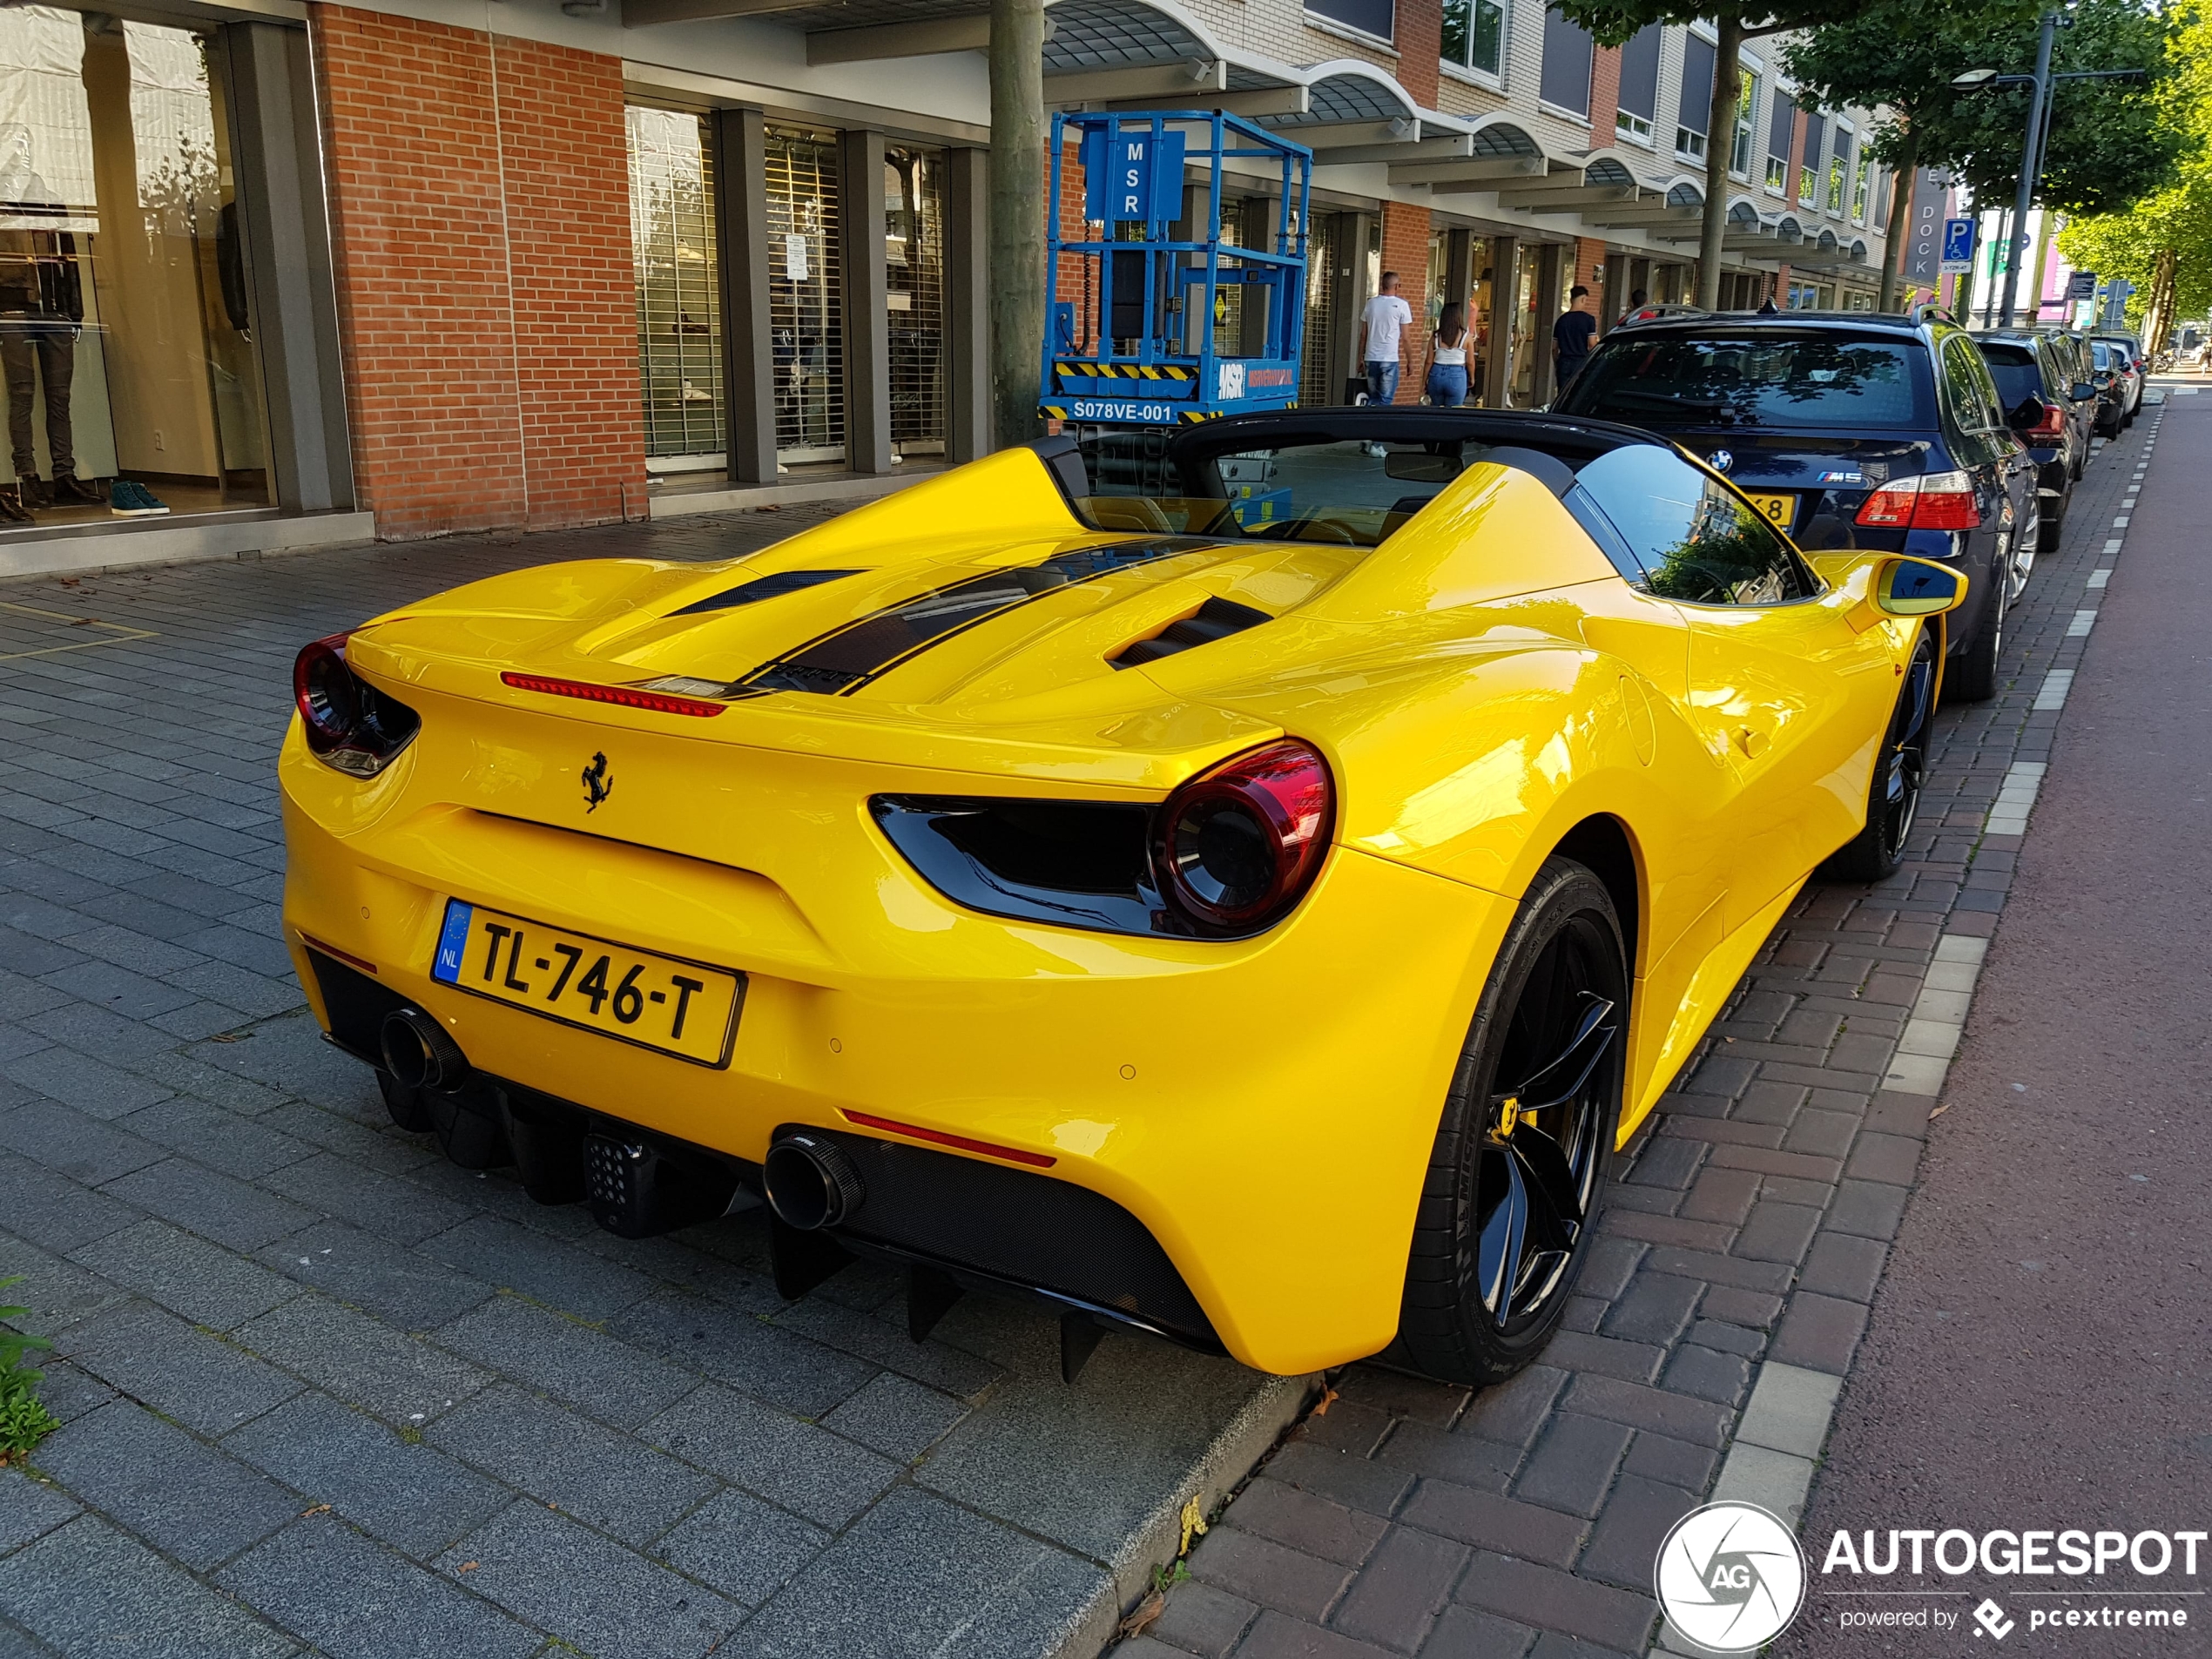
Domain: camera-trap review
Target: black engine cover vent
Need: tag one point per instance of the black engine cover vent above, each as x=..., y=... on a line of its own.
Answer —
x=1217, y=619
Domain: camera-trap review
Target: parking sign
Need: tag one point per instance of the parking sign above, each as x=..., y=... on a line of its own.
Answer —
x=1958, y=246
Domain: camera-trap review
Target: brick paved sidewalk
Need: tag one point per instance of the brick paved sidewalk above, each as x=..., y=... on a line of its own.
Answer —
x=321, y=1387
x=1741, y=1246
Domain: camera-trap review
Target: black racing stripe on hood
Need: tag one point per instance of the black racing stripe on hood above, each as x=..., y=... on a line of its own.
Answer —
x=842, y=661
x=762, y=587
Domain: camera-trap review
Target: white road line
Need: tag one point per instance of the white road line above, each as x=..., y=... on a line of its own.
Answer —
x=2121, y=523
x=1938, y=1016
x=2112, y=546
x=2083, y=620
x=2098, y=578
x=2056, y=685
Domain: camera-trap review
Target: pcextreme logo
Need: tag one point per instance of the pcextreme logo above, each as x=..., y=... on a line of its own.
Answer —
x=1731, y=1577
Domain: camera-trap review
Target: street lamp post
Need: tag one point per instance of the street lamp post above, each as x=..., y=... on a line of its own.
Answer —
x=2039, y=124
x=2031, y=167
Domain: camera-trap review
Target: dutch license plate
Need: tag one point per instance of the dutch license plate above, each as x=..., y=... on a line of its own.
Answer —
x=659, y=1003
x=1779, y=509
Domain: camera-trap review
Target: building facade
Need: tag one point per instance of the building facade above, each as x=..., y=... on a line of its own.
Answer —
x=302, y=271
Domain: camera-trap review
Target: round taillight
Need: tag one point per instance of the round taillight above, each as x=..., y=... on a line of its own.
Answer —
x=329, y=695
x=1237, y=847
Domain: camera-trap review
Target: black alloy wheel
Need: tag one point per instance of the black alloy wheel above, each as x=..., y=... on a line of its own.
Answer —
x=1507, y=1209
x=1893, y=796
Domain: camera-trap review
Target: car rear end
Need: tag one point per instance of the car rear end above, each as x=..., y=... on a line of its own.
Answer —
x=2038, y=402
x=1830, y=425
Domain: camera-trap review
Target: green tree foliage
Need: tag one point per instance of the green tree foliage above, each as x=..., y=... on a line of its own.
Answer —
x=1612, y=23
x=2163, y=243
x=2111, y=142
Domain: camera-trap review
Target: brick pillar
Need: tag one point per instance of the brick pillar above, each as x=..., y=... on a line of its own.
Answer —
x=1605, y=96
x=1589, y=270
x=480, y=205
x=1405, y=250
x=1421, y=48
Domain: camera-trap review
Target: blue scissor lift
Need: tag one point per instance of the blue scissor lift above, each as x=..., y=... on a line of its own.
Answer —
x=1133, y=322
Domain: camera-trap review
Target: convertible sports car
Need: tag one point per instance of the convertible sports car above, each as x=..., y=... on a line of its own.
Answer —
x=1242, y=884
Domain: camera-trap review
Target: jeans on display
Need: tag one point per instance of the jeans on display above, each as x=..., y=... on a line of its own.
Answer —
x=1382, y=382
x=1447, y=385
x=52, y=349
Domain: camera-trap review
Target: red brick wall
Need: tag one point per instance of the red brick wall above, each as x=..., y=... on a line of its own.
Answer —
x=1605, y=96
x=1421, y=48
x=1405, y=250
x=480, y=209
x=1589, y=271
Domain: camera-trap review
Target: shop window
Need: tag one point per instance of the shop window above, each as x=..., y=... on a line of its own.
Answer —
x=679, y=299
x=1320, y=368
x=1474, y=35
x=805, y=295
x=125, y=342
x=914, y=262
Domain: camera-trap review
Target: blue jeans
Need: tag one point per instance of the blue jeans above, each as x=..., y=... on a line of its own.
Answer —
x=1569, y=368
x=1382, y=382
x=1447, y=385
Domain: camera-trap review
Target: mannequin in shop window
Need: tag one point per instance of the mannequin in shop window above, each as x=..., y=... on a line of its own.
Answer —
x=41, y=307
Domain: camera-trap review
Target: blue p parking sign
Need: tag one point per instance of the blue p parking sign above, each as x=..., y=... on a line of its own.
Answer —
x=1957, y=245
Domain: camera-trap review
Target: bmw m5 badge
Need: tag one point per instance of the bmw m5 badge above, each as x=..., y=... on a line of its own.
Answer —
x=1720, y=460
x=598, y=783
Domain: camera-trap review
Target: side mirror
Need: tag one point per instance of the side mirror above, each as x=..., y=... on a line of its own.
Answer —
x=2083, y=390
x=2029, y=413
x=1904, y=587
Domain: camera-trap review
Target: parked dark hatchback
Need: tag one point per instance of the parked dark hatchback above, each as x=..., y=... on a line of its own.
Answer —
x=2115, y=374
x=1848, y=430
x=2051, y=405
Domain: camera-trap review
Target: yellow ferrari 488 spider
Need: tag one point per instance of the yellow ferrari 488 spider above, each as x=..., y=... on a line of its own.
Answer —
x=1240, y=883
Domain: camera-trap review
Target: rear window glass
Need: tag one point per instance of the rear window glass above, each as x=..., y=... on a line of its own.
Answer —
x=2018, y=376
x=1762, y=380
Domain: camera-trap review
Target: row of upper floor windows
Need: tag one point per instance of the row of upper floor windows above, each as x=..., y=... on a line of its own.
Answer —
x=1833, y=174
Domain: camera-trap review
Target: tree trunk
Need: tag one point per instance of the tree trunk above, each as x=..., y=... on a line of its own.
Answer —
x=1017, y=212
x=1720, y=143
x=1899, y=247
x=2158, y=309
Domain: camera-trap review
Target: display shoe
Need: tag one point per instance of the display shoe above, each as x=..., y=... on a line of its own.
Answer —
x=68, y=488
x=128, y=500
x=12, y=511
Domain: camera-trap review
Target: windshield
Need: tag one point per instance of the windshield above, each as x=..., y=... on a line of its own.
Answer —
x=1754, y=379
x=1350, y=492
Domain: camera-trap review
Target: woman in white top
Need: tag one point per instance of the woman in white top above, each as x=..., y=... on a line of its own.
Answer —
x=1447, y=359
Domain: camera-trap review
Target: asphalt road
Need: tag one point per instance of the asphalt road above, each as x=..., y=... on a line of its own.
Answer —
x=2037, y=1356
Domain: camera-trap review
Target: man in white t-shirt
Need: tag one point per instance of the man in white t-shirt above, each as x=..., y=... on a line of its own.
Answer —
x=1383, y=323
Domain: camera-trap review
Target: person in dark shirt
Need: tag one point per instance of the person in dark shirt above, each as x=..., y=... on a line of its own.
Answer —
x=1571, y=336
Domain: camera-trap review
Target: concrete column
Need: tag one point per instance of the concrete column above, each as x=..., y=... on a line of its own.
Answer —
x=867, y=318
x=291, y=294
x=1351, y=293
x=1505, y=316
x=748, y=345
x=967, y=315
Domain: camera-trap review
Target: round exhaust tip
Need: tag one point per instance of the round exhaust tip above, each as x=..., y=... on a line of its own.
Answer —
x=418, y=1052
x=811, y=1183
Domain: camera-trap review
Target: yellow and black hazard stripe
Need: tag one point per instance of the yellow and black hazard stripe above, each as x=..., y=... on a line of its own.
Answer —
x=1128, y=371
